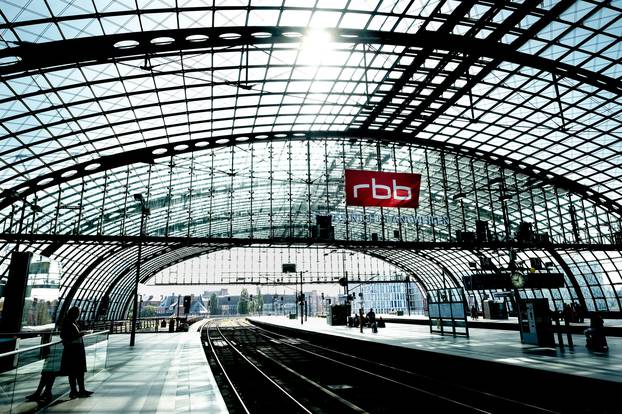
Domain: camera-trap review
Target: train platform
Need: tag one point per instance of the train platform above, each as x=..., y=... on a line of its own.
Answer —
x=493, y=345
x=169, y=373
x=162, y=373
x=613, y=327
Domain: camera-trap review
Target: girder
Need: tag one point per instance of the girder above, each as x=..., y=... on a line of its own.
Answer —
x=516, y=100
x=99, y=49
x=297, y=241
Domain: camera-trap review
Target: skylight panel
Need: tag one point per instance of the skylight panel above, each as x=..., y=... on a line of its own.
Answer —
x=85, y=108
x=224, y=109
x=263, y=18
x=177, y=132
x=291, y=17
x=328, y=73
x=321, y=19
x=149, y=98
x=75, y=94
x=175, y=112
x=120, y=24
x=34, y=10
x=280, y=73
x=155, y=4
x=11, y=108
x=354, y=21
x=195, y=19
x=80, y=28
x=38, y=33
x=230, y=18
x=168, y=81
x=364, y=5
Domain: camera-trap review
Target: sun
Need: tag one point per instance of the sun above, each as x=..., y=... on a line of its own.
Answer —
x=315, y=47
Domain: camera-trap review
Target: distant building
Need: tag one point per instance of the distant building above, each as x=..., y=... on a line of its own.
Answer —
x=388, y=298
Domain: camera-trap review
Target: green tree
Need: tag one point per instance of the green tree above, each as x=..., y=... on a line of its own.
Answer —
x=148, y=311
x=214, y=309
x=243, y=303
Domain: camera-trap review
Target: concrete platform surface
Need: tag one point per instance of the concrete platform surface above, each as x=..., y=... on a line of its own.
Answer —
x=162, y=373
x=501, y=346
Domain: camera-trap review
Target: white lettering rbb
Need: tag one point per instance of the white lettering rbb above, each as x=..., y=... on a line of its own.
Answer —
x=383, y=192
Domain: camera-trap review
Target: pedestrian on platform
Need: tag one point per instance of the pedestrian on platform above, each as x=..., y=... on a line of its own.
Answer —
x=473, y=312
x=577, y=310
x=567, y=314
x=371, y=317
x=73, y=362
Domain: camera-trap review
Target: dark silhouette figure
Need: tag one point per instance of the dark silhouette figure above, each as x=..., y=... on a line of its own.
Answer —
x=578, y=312
x=381, y=323
x=595, y=336
x=567, y=313
x=473, y=312
x=73, y=362
x=371, y=317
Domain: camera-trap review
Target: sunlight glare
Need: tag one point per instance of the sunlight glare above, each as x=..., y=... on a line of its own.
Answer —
x=315, y=48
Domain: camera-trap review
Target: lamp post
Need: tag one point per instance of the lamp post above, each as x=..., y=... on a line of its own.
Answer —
x=302, y=314
x=144, y=212
x=515, y=276
x=407, y=283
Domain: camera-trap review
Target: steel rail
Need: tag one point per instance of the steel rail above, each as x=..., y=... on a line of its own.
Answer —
x=404, y=371
x=373, y=374
x=313, y=383
x=222, y=368
x=234, y=348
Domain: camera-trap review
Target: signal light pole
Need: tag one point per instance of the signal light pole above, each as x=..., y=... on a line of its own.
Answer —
x=302, y=295
x=144, y=212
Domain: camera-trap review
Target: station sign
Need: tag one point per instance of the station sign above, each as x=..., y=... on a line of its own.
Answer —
x=382, y=189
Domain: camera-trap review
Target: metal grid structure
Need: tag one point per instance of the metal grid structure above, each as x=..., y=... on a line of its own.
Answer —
x=235, y=121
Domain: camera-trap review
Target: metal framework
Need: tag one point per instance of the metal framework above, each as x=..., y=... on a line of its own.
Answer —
x=235, y=122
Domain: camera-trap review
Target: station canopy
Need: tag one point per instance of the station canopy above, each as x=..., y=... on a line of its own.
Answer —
x=231, y=123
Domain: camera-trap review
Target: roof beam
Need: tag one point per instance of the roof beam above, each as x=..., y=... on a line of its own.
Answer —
x=33, y=57
x=228, y=242
x=457, y=14
x=469, y=60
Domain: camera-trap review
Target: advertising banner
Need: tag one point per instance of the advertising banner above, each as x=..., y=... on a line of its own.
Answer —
x=382, y=189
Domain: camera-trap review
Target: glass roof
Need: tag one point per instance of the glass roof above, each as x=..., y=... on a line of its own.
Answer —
x=323, y=79
x=225, y=113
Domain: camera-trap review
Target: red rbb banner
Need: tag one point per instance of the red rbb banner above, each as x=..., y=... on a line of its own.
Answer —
x=382, y=189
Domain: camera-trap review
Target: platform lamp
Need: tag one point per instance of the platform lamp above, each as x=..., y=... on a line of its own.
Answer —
x=302, y=298
x=144, y=212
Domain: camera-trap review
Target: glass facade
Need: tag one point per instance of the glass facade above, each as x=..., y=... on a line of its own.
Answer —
x=236, y=121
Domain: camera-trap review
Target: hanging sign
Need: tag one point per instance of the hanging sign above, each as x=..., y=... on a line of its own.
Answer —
x=382, y=189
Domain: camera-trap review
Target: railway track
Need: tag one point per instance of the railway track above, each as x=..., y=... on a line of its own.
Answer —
x=260, y=371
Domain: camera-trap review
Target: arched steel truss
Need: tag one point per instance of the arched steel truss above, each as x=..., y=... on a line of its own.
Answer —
x=431, y=265
x=97, y=50
x=527, y=94
x=61, y=176
x=110, y=270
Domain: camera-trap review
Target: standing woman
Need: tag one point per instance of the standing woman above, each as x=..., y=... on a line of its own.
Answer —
x=73, y=363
